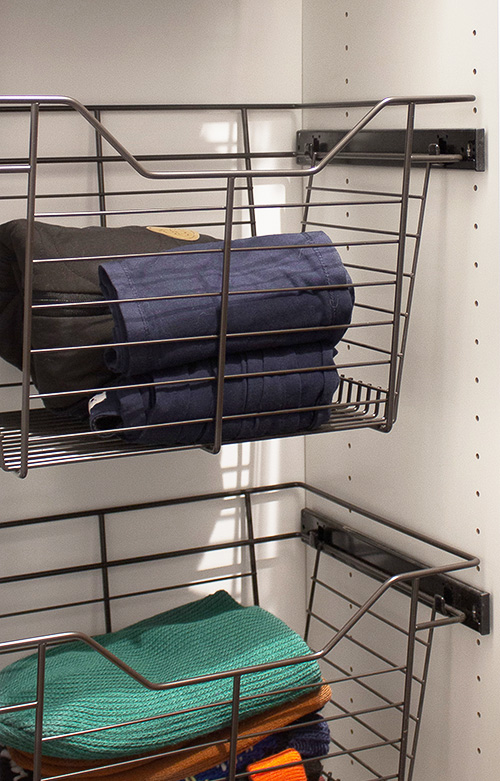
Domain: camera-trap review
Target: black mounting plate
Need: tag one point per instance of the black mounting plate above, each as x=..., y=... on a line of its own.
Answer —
x=386, y=147
x=377, y=560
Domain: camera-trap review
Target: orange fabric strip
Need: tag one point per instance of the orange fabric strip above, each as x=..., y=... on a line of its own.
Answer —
x=279, y=767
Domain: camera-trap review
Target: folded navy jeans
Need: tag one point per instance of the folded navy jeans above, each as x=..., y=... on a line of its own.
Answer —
x=304, y=377
x=270, y=271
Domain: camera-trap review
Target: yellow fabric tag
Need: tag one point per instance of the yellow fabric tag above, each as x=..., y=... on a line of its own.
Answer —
x=176, y=233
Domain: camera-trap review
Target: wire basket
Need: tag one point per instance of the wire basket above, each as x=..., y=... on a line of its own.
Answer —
x=377, y=232
x=370, y=615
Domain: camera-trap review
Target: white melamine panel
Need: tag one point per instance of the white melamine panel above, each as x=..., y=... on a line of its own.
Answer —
x=180, y=51
x=158, y=52
x=437, y=470
x=148, y=52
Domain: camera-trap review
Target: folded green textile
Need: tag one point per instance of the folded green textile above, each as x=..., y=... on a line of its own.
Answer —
x=84, y=690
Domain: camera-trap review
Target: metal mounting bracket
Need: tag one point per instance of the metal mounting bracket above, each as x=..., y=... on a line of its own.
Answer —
x=377, y=560
x=460, y=148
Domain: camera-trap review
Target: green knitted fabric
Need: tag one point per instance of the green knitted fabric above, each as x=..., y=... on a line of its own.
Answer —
x=84, y=690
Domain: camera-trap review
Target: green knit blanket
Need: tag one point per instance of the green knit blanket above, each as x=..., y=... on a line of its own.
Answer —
x=83, y=690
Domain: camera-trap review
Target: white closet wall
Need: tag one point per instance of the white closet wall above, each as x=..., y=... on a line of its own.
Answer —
x=437, y=471
x=124, y=51
x=180, y=51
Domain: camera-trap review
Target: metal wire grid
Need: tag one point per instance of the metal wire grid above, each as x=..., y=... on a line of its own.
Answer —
x=379, y=734
x=376, y=341
x=377, y=684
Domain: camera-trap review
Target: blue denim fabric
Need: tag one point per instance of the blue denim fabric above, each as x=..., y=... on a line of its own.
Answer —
x=192, y=396
x=198, y=273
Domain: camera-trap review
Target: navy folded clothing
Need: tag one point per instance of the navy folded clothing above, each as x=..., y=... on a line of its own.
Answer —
x=309, y=735
x=285, y=264
x=305, y=377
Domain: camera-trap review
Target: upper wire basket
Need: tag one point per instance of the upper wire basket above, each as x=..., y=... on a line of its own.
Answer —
x=227, y=199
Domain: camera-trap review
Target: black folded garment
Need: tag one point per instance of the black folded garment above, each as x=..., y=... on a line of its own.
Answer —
x=304, y=377
x=68, y=282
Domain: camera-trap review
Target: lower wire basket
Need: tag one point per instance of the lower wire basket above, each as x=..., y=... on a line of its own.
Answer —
x=243, y=694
